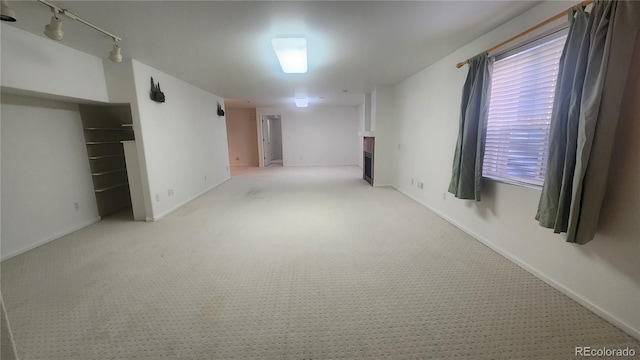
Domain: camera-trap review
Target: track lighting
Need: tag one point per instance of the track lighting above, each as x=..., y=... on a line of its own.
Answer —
x=54, y=28
x=6, y=13
x=115, y=55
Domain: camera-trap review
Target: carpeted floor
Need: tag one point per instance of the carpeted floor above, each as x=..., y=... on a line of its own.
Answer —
x=288, y=263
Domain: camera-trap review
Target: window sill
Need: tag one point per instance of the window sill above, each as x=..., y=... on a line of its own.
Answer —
x=515, y=183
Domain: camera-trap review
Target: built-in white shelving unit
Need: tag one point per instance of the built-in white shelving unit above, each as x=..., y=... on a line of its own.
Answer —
x=105, y=127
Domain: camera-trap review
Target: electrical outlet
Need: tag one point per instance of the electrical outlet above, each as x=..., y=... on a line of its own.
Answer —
x=237, y=157
x=420, y=185
x=205, y=178
x=76, y=206
x=412, y=181
x=157, y=197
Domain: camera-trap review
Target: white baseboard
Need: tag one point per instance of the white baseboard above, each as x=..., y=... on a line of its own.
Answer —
x=49, y=239
x=9, y=334
x=318, y=165
x=160, y=216
x=535, y=272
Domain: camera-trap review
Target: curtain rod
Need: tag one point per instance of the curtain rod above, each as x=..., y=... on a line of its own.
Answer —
x=534, y=28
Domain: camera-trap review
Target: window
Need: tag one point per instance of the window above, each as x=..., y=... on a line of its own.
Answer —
x=522, y=90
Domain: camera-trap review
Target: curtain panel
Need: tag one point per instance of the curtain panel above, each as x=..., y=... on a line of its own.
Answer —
x=589, y=92
x=466, y=176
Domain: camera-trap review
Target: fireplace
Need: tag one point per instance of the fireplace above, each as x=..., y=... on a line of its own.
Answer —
x=367, y=161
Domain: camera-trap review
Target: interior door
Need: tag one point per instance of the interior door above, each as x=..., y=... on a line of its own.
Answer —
x=266, y=142
x=275, y=138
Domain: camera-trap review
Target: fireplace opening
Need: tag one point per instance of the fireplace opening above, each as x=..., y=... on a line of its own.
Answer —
x=367, y=162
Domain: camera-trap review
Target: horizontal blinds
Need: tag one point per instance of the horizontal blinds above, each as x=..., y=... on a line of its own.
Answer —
x=522, y=90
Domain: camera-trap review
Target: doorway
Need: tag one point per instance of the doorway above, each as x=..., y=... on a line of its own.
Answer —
x=272, y=139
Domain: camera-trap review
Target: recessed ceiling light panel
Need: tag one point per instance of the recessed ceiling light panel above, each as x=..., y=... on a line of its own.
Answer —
x=292, y=53
x=302, y=102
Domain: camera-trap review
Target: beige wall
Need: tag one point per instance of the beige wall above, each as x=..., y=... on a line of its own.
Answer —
x=318, y=135
x=242, y=135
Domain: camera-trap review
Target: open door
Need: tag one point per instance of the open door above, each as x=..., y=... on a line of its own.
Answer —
x=271, y=139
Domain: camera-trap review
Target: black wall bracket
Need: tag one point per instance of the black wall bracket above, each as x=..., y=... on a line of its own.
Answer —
x=156, y=94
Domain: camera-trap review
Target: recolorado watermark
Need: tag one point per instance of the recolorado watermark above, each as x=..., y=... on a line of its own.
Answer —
x=587, y=351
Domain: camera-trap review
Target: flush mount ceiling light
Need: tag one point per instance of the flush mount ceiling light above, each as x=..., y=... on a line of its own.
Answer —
x=292, y=53
x=6, y=13
x=301, y=102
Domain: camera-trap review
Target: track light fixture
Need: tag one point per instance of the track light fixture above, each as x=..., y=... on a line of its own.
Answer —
x=115, y=55
x=54, y=28
x=6, y=13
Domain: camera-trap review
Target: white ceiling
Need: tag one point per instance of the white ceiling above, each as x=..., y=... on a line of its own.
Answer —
x=224, y=47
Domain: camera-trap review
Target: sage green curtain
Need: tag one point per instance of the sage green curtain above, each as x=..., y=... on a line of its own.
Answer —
x=466, y=175
x=591, y=82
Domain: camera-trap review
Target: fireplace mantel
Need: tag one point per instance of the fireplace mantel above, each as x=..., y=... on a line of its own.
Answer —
x=367, y=133
x=368, y=148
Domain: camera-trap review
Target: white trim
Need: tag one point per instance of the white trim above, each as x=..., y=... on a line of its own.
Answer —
x=301, y=165
x=535, y=272
x=49, y=239
x=12, y=343
x=156, y=218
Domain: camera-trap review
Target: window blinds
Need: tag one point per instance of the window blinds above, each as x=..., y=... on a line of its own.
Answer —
x=522, y=91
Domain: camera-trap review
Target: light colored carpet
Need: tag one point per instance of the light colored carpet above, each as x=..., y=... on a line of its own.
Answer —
x=288, y=263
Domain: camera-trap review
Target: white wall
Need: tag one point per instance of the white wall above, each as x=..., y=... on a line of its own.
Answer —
x=45, y=172
x=361, y=129
x=317, y=135
x=184, y=141
x=45, y=168
x=243, y=136
x=34, y=63
x=604, y=274
x=382, y=124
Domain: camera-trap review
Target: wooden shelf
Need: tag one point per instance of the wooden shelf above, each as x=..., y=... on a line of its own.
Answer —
x=105, y=156
x=102, y=142
x=107, y=129
x=111, y=187
x=108, y=172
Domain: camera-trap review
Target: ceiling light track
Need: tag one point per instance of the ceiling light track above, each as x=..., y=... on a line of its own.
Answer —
x=77, y=18
x=54, y=28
